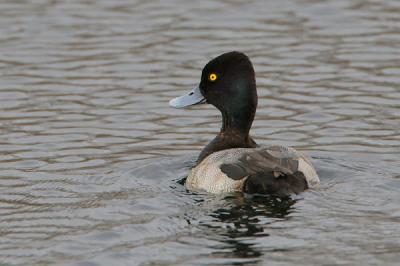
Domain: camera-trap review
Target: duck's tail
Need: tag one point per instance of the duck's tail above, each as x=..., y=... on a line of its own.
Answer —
x=276, y=183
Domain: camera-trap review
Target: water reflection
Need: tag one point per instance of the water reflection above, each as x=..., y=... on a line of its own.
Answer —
x=243, y=219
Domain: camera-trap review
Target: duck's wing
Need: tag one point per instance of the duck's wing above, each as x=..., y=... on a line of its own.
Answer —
x=275, y=170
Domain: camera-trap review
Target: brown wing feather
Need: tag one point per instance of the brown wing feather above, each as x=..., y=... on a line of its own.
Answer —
x=272, y=170
x=259, y=161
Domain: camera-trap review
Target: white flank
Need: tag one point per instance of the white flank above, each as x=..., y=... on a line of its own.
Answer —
x=309, y=172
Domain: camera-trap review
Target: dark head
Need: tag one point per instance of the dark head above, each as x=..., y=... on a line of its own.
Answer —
x=228, y=83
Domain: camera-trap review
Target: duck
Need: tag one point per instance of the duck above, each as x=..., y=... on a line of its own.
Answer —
x=233, y=161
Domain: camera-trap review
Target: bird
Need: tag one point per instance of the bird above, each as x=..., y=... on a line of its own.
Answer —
x=233, y=161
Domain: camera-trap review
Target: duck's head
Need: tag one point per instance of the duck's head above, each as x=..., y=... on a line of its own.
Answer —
x=228, y=83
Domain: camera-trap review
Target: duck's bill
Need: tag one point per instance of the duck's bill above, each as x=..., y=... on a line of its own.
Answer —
x=191, y=98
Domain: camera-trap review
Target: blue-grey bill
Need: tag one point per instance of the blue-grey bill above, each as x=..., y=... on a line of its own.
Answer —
x=191, y=98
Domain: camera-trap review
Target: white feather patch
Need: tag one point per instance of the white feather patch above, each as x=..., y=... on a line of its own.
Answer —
x=309, y=172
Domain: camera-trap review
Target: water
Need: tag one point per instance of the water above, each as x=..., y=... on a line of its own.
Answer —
x=91, y=153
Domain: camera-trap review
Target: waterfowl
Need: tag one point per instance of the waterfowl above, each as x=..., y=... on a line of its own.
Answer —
x=233, y=161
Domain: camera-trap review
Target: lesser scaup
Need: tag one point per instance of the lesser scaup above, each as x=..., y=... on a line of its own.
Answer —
x=233, y=161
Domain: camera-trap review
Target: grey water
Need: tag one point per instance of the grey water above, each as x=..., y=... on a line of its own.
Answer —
x=91, y=154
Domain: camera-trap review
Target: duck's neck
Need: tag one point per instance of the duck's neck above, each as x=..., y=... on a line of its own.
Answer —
x=238, y=123
x=234, y=133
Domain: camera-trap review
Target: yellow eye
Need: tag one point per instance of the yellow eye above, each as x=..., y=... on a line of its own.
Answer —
x=212, y=77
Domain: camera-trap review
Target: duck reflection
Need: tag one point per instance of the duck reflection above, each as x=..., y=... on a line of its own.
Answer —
x=244, y=218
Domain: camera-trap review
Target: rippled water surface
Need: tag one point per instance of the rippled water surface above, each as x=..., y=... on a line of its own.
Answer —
x=90, y=151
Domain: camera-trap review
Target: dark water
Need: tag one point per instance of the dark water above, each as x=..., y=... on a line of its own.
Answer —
x=90, y=152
